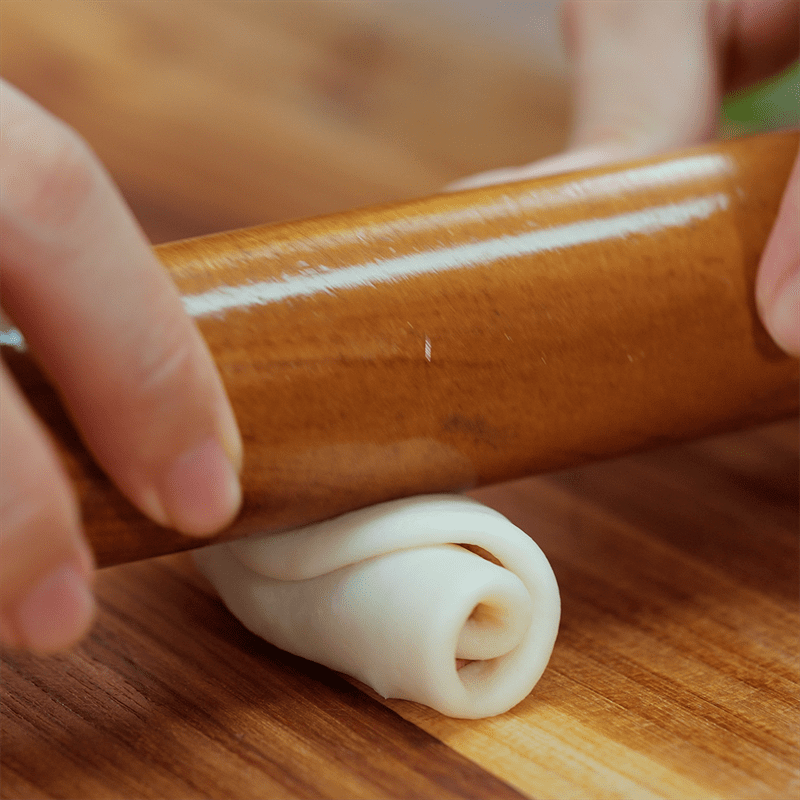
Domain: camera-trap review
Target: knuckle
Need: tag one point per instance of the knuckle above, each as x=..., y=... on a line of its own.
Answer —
x=37, y=507
x=160, y=400
x=32, y=493
x=38, y=519
x=39, y=516
x=167, y=363
x=50, y=175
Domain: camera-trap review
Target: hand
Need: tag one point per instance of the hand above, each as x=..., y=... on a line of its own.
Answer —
x=649, y=77
x=106, y=324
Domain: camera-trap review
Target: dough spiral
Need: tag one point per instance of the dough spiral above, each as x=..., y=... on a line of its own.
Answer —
x=387, y=594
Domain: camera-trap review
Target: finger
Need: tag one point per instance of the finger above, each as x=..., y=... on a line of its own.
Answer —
x=645, y=73
x=649, y=74
x=108, y=326
x=45, y=567
x=778, y=279
x=755, y=38
x=652, y=72
x=635, y=63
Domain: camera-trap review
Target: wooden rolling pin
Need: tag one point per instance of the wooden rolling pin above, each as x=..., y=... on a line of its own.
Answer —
x=468, y=338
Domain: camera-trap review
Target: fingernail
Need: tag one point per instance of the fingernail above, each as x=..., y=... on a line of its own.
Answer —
x=232, y=440
x=782, y=317
x=201, y=492
x=57, y=612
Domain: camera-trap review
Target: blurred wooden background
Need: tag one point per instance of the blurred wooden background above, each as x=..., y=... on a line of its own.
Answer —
x=676, y=670
x=214, y=115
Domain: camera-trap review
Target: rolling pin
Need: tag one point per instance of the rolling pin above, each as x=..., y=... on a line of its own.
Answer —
x=472, y=337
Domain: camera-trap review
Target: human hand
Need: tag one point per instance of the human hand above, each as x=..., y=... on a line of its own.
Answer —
x=650, y=76
x=107, y=325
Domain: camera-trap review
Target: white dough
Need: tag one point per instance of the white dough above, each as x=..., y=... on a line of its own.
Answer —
x=385, y=594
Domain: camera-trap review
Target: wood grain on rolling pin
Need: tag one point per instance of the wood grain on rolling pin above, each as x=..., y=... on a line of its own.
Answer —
x=468, y=338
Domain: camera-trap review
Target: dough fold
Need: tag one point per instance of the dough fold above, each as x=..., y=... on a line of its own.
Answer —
x=387, y=594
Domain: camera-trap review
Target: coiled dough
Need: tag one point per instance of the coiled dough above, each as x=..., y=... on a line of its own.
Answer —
x=388, y=595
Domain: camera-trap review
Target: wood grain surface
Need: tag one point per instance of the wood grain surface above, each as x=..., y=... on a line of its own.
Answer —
x=676, y=671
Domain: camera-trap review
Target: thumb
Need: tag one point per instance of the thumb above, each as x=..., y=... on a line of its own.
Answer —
x=778, y=279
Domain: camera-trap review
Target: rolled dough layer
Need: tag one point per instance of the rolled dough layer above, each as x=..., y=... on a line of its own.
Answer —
x=387, y=594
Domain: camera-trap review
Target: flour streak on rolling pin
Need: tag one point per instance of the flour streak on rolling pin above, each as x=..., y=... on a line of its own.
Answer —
x=456, y=257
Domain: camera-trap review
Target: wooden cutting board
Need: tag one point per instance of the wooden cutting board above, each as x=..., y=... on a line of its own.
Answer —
x=676, y=670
